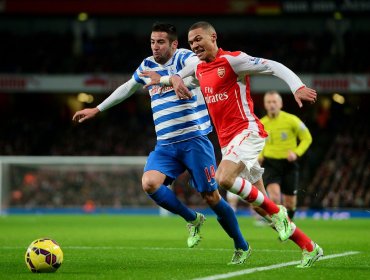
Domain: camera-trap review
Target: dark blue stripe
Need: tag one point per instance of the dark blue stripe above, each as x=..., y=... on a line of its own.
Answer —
x=174, y=115
x=150, y=64
x=179, y=114
x=159, y=96
x=182, y=57
x=179, y=64
x=185, y=136
x=138, y=79
x=188, y=55
x=172, y=104
x=201, y=107
x=176, y=127
x=163, y=72
x=204, y=119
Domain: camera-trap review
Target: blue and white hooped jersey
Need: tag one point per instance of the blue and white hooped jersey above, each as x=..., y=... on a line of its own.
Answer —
x=175, y=120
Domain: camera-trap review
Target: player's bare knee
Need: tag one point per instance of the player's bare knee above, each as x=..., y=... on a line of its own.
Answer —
x=274, y=193
x=224, y=180
x=149, y=185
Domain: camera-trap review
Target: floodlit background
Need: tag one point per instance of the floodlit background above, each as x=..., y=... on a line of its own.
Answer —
x=56, y=58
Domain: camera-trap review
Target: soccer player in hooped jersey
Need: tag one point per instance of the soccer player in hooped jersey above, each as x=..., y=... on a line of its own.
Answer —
x=224, y=81
x=182, y=143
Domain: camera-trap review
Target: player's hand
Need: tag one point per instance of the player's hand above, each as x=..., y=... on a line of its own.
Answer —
x=155, y=78
x=85, y=114
x=181, y=90
x=292, y=156
x=305, y=94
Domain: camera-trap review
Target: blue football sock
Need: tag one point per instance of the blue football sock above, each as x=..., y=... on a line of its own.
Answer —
x=166, y=198
x=227, y=219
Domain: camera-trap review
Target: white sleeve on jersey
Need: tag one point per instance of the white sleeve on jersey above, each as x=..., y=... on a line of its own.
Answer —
x=244, y=64
x=190, y=81
x=121, y=93
x=193, y=60
x=189, y=69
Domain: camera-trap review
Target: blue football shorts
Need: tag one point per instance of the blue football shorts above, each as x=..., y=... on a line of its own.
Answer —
x=195, y=155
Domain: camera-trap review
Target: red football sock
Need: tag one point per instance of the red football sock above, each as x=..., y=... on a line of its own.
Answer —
x=302, y=240
x=269, y=206
x=250, y=193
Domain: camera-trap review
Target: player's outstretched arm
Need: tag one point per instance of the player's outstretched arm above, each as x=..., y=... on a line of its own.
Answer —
x=85, y=114
x=305, y=94
x=251, y=65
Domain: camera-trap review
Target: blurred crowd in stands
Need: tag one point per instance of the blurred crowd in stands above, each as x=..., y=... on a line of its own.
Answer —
x=335, y=171
x=56, y=53
x=71, y=186
x=342, y=179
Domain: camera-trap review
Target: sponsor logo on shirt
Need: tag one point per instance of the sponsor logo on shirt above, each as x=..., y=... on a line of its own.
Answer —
x=160, y=90
x=257, y=60
x=254, y=60
x=216, y=98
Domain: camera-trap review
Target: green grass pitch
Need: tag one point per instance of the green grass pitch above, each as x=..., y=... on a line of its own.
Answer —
x=153, y=247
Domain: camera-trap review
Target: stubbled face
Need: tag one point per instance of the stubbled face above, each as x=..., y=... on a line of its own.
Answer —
x=203, y=43
x=161, y=47
x=273, y=104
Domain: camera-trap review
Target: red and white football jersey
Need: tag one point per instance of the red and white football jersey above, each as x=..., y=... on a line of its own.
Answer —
x=225, y=86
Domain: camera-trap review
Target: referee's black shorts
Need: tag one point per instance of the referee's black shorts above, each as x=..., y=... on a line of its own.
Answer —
x=282, y=172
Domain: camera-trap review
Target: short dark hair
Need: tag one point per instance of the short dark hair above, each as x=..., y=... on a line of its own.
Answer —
x=202, y=24
x=166, y=27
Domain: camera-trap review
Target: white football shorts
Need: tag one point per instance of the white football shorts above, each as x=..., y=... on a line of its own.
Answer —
x=246, y=147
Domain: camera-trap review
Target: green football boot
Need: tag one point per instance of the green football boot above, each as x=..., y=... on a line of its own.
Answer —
x=240, y=256
x=309, y=258
x=194, y=230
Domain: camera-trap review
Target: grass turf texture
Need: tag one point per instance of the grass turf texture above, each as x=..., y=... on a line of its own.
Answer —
x=152, y=247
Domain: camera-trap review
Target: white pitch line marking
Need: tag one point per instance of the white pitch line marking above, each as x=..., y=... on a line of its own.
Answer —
x=270, y=267
x=149, y=248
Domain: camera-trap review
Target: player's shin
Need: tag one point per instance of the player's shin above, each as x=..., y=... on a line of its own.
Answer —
x=227, y=219
x=251, y=194
x=301, y=239
x=165, y=198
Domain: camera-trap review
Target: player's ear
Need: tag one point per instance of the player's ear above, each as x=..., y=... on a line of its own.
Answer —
x=214, y=37
x=174, y=44
x=280, y=102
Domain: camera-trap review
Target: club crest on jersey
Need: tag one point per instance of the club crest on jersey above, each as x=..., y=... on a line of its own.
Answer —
x=221, y=72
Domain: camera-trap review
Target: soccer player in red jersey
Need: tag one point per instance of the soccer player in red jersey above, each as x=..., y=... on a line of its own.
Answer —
x=224, y=80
